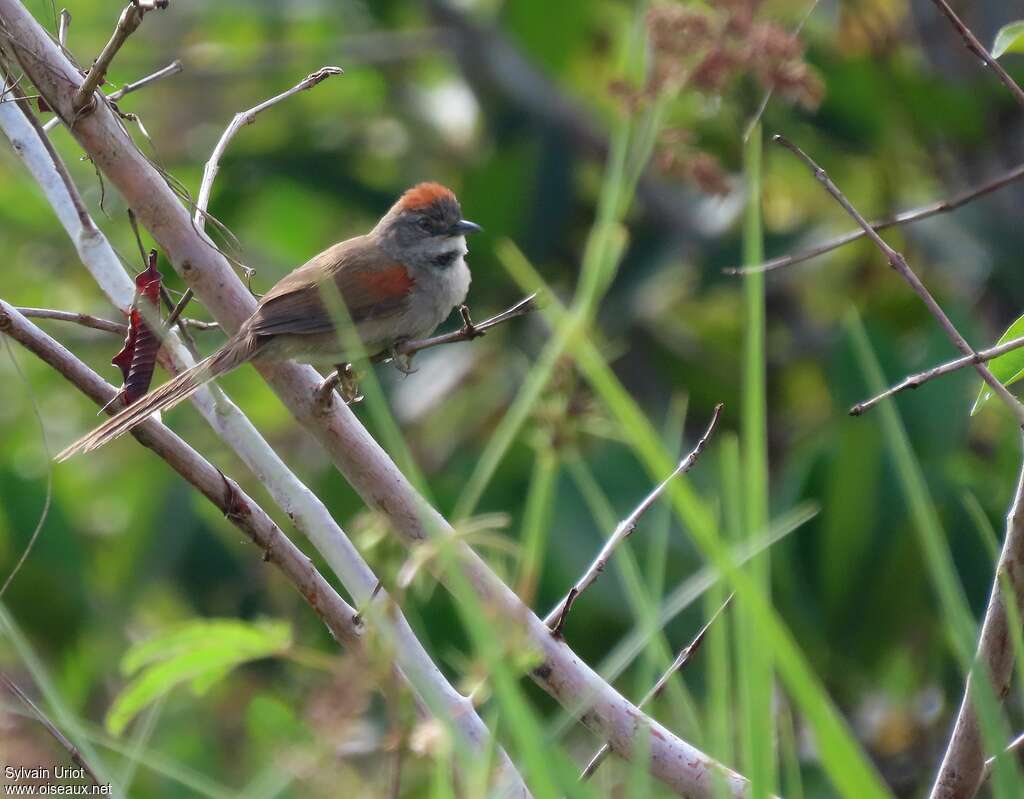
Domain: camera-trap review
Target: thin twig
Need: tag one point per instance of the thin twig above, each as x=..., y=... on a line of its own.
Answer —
x=62, y=27
x=470, y=329
x=556, y=618
x=684, y=657
x=1014, y=746
x=175, y=315
x=903, y=218
x=239, y=121
x=127, y=24
x=72, y=750
x=976, y=47
x=171, y=69
x=85, y=320
x=915, y=380
x=899, y=263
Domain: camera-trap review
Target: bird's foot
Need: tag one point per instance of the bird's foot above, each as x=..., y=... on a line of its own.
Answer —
x=345, y=380
x=402, y=361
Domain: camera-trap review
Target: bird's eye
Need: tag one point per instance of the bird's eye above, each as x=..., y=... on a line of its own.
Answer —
x=424, y=224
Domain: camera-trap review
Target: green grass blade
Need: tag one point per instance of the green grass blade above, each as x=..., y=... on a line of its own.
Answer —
x=754, y=667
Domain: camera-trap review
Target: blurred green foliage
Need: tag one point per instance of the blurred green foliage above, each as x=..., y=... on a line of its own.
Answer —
x=128, y=552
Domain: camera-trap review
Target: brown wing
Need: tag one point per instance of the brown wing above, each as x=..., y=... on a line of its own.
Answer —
x=371, y=285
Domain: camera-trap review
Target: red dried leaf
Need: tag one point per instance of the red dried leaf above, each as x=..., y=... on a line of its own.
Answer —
x=137, y=358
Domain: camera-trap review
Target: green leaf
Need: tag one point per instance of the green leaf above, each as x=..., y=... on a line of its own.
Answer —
x=1009, y=367
x=1010, y=39
x=198, y=653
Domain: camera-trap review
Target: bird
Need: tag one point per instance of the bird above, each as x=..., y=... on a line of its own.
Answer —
x=397, y=282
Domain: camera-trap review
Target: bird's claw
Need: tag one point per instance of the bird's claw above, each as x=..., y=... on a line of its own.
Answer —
x=402, y=362
x=345, y=380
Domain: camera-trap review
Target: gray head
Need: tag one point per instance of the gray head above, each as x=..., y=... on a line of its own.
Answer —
x=425, y=227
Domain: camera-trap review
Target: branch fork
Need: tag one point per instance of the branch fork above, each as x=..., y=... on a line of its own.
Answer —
x=131, y=18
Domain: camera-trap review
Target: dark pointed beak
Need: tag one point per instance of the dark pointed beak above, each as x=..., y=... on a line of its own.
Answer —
x=464, y=226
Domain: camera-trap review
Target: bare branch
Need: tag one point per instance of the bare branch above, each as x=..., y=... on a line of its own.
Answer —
x=684, y=657
x=915, y=380
x=899, y=263
x=469, y=330
x=62, y=27
x=171, y=69
x=903, y=218
x=963, y=765
x=556, y=618
x=242, y=511
x=85, y=320
x=239, y=121
x=976, y=47
x=58, y=736
x=366, y=466
x=127, y=24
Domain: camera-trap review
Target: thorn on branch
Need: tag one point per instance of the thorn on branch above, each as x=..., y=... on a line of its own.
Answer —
x=567, y=604
x=469, y=330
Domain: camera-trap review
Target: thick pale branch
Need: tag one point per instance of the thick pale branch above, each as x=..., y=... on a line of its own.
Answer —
x=364, y=464
x=906, y=217
x=919, y=379
x=685, y=655
x=238, y=508
x=558, y=615
x=899, y=263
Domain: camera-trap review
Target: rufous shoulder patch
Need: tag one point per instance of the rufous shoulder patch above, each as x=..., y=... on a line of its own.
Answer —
x=394, y=281
x=425, y=194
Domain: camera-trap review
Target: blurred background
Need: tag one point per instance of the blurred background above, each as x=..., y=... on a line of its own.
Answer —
x=514, y=104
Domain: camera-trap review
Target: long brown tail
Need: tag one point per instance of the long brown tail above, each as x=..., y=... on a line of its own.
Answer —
x=233, y=354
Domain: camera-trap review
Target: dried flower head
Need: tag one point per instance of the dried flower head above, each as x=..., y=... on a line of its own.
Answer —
x=706, y=49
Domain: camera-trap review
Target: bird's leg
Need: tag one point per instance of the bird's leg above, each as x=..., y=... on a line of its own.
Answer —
x=345, y=380
x=402, y=361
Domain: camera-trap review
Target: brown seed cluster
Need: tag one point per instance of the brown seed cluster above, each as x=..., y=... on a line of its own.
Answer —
x=707, y=50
